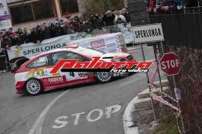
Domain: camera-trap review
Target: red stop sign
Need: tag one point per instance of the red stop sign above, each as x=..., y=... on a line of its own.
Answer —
x=170, y=64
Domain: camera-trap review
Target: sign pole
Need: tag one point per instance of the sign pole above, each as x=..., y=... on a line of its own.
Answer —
x=177, y=96
x=171, y=66
x=158, y=69
x=142, y=35
x=162, y=47
x=148, y=82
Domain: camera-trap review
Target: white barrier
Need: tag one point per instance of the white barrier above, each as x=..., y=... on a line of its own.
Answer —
x=30, y=49
x=106, y=43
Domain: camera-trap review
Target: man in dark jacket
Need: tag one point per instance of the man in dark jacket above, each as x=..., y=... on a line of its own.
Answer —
x=108, y=18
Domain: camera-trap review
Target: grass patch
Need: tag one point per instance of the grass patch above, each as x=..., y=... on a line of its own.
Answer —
x=167, y=126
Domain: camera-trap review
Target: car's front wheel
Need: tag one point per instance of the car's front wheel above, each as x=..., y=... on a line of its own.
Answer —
x=104, y=76
x=33, y=87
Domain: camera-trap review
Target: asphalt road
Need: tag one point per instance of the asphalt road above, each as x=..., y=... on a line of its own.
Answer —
x=89, y=109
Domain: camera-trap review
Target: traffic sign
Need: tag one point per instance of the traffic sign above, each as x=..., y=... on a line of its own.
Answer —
x=148, y=33
x=170, y=64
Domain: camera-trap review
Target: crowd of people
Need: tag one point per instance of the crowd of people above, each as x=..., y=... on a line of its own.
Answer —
x=58, y=27
x=171, y=6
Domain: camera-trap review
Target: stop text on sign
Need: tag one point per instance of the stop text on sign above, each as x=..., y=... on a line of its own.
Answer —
x=170, y=64
x=91, y=117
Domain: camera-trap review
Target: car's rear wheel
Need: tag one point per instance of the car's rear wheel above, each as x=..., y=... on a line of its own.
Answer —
x=33, y=87
x=104, y=76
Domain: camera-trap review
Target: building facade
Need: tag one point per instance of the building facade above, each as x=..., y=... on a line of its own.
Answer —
x=23, y=11
x=34, y=10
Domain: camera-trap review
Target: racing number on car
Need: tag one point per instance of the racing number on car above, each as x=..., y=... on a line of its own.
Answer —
x=70, y=75
x=74, y=76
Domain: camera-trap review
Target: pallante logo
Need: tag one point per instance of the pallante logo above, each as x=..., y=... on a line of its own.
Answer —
x=99, y=65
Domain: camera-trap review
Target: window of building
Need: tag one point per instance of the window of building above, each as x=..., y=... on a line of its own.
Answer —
x=22, y=13
x=68, y=6
x=31, y=11
x=42, y=9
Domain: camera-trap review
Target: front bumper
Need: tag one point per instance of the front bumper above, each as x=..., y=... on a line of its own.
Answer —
x=20, y=87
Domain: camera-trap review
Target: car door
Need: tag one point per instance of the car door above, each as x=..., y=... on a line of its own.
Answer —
x=38, y=68
x=70, y=76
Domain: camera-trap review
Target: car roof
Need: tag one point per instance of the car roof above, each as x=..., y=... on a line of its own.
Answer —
x=86, y=51
x=116, y=54
x=79, y=50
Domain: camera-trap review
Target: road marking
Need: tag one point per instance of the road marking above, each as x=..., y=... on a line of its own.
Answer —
x=61, y=120
x=37, y=127
x=89, y=116
x=92, y=116
x=111, y=110
x=77, y=116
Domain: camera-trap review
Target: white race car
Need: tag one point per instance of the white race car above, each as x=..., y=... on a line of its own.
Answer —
x=34, y=75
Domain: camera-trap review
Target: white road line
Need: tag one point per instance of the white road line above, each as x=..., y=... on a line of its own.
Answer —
x=37, y=127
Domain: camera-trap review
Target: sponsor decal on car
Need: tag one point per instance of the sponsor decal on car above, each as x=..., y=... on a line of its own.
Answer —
x=99, y=65
x=36, y=72
x=56, y=80
x=83, y=74
x=41, y=72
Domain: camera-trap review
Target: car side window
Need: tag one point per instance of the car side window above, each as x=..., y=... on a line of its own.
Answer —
x=40, y=62
x=58, y=56
x=66, y=55
x=75, y=56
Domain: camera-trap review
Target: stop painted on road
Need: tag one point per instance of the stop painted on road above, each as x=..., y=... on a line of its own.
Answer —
x=92, y=116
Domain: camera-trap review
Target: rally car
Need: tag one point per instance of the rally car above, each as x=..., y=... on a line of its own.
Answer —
x=34, y=76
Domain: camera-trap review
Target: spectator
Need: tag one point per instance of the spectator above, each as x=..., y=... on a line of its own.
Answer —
x=108, y=18
x=60, y=27
x=151, y=6
x=167, y=6
x=125, y=13
x=95, y=21
x=119, y=18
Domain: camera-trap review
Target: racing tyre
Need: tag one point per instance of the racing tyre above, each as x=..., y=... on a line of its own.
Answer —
x=104, y=76
x=33, y=87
